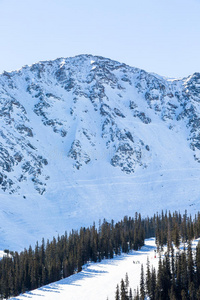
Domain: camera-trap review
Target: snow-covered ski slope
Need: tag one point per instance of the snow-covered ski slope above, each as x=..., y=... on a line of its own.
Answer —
x=87, y=138
x=99, y=280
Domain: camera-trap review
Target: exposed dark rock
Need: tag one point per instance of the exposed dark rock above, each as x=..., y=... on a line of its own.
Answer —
x=129, y=136
x=77, y=154
x=147, y=147
x=105, y=110
x=18, y=157
x=132, y=105
x=143, y=117
x=119, y=113
x=24, y=130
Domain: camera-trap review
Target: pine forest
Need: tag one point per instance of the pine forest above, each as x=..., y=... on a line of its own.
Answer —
x=65, y=255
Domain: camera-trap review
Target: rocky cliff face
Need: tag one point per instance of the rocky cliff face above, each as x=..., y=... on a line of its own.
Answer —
x=91, y=116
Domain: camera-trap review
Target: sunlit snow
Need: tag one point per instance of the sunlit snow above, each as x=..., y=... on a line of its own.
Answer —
x=99, y=280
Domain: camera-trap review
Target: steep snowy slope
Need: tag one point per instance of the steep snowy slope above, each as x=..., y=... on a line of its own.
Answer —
x=85, y=138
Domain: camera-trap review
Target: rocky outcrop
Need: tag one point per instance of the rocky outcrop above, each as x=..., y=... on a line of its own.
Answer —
x=84, y=103
x=78, y=154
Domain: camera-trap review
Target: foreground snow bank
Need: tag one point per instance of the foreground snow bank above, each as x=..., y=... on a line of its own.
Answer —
x=98, y=280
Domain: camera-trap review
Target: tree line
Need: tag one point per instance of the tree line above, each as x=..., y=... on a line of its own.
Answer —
x=178, y=277
x=65, y=255
x=178, y=274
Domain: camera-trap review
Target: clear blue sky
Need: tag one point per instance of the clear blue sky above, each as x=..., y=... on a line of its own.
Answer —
x=161, y=36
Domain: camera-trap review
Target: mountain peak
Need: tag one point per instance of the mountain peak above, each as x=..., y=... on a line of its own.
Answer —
x=89, y=134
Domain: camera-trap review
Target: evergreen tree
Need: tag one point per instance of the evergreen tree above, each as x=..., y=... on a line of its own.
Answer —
x=142, y=287
x=172, y=294
x=137, y=297
x=130, y=294
x=198, y=265
x=183, y=295
x=117, y=295
x=190, y=263
x=153, y=284
x=126, y=281
x=192, y=292
x=148, y=278
x=123, y=291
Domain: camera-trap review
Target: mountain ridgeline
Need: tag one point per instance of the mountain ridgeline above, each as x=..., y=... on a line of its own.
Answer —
x=87, y=137
x=102, y=96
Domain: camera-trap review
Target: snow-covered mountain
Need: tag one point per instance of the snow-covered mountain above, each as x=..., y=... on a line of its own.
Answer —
x=85, y=138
